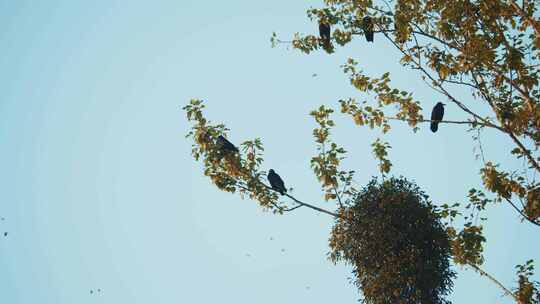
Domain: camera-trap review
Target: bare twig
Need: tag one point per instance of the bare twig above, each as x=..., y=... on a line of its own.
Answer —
x=525, y=151
x=302, y=204
x=283, y=41
x=521, y=212
x=421, y=33
x=314, y=207
x=285, y=210
x=460, y=83
x=494, y=280
x=464, y=122
x=338, y=196
x=292, y=208
x=478, y=135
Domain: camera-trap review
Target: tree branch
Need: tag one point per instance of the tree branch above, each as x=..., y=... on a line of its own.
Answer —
x=460, y=83
x=510, y=133
x=521, y=212
x=313, y=207
x=465, y=122
x=441, y=88
x=464, y=108
x=525, y=151
x=521, y=12
x=337, y=196
x=421, y=33
x=333, y=185
x=499, y=284
x=300, y=203
x=293, y=208
x=285, y=210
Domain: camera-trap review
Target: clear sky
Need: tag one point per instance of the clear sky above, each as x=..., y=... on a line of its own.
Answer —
x=98, y=188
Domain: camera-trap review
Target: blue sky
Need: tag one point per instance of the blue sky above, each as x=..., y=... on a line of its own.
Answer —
x=98, y=188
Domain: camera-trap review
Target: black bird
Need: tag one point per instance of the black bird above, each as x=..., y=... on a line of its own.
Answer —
x=324, y=32
x=276, y=182
x=367, y=26
x=225, y=145
x=436, y=116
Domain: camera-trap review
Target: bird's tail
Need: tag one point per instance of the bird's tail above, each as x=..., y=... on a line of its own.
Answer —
x=369, y=36
x=326, y=44
x=434, y=126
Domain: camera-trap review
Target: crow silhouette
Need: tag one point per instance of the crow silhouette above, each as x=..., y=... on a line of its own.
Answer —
x=225, y=145
x=276, y=182
x=367, y=26
x=324, y=33
x=436, y=116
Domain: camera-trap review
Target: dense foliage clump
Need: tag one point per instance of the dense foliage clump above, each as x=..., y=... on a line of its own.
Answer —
x=396, y=243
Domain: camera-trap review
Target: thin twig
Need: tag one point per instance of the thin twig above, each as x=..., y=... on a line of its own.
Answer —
x=333, y=185
x=460, y=83
x=338, y=196
x=442, y=89
x=535, y=24
x=421, y=33
x=283, y=41
x=522, y=214
x=312, y=207
x=302, y=204
x=506, y=290
x=525, y=151
x=292, y=208
x=280, y=208
x=457, y=122
x=480, y=146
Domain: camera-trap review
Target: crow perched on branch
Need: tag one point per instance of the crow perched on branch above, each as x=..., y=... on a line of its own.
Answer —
x=436, y=116
x=367, y=26
x=324, y=33
x=225, y=145
x=276, y=182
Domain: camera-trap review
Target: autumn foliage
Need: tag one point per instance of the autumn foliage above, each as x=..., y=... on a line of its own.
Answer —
x=396, y=243
x=389, y=229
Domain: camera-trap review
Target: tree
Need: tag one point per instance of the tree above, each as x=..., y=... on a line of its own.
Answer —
x=491, y=48
x=393, y=237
